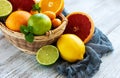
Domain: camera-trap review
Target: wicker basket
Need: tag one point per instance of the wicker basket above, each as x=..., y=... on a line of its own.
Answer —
x=18, y=40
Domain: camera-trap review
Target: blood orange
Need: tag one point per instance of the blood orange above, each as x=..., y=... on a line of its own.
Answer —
x=22, y=4
x=81, y=24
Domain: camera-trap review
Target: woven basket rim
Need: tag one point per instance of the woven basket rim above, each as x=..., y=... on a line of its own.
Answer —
x=48, y=34
x=18, y=39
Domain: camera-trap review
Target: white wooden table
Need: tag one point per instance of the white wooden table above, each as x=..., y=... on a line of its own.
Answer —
x=106, y=15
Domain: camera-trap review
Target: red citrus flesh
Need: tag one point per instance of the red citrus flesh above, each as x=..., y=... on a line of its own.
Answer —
x=22, y=4
x=81, y=24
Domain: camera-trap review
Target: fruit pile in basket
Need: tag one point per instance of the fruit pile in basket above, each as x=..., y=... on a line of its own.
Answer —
x=33, y=25
x=31, y=17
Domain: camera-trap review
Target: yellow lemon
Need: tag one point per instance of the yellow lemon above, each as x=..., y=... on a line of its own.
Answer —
x=71, y=47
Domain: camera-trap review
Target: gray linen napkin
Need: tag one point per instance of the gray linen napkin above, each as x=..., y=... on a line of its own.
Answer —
x=98, y=46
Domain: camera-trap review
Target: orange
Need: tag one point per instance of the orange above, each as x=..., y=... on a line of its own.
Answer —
x=55, y=6
x=33, y=12
x=81, y=24
x=50, y=14
x=16, y=19
x=56, y=22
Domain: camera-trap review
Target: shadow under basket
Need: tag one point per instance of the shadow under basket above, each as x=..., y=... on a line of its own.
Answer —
x=18, y=39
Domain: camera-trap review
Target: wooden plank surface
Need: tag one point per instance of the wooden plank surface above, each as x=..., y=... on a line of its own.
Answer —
x=106, y=16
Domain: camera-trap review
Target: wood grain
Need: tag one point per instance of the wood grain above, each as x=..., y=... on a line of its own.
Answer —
x=106, y=16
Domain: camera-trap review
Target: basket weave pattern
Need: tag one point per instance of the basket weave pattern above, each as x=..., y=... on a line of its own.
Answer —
x=18, y=40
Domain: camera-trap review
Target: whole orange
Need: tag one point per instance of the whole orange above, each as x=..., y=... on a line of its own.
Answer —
x=16, y=19
x=56, y=22
x=50, y=14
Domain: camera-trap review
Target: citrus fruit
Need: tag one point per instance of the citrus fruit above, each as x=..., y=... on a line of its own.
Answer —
x=41, y=23
x=50, y=14
x=37, y=1
x=34, y=12
x=56, y=22
x=16, y=19
x=81, y=24
x=71, y=47
x=47, y=55
x=22, y=4
x=5, y=8
x=55, y=6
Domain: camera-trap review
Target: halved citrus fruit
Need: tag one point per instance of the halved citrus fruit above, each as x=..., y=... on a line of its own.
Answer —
x=47, y=55
x=55, y=6
x=5, y=8
x=81, y=24
x=25, y=5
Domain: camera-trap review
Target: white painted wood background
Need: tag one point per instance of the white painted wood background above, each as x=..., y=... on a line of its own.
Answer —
x=106, y=16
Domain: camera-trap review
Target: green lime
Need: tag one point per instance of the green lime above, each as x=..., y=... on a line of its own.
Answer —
x=41, y=23
x=47, y=55
x=5, y=8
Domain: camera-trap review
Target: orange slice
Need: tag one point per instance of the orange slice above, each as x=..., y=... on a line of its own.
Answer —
x=55, y=6
x=81, y=24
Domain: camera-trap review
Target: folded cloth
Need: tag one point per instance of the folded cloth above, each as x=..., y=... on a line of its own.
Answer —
x=98, y=46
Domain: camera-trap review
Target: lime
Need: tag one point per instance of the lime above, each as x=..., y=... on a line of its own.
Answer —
x=41, y=23
x=47, y=55
x=5, y=8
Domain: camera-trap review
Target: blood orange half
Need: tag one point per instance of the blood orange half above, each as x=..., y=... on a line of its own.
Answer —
x=81, y=24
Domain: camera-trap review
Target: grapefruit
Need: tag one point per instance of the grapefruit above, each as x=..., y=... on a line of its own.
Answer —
x=81, y=24
x=22, y=4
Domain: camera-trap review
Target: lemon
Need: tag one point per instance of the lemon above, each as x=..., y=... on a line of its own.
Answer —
x=47, y=55
x=5, y=8
x=71, y=47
